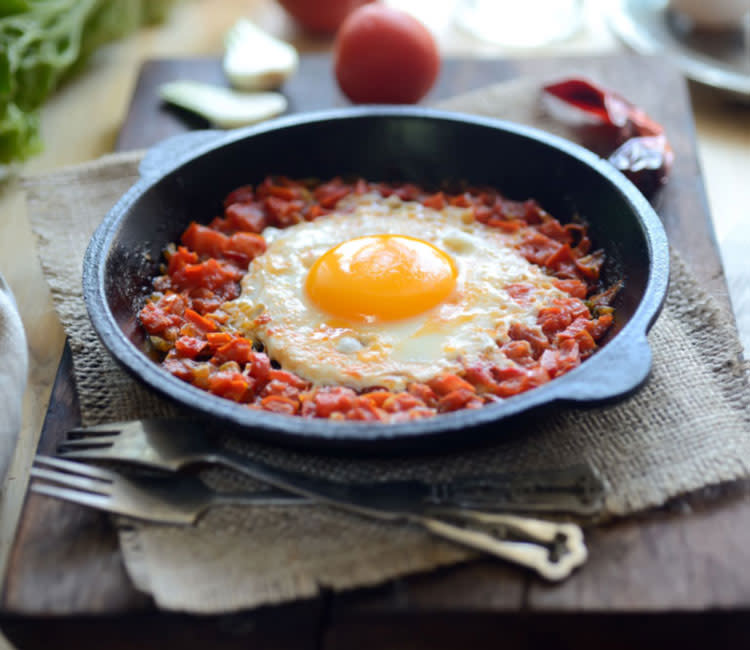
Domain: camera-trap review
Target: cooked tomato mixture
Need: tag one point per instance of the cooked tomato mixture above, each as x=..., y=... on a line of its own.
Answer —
x=189, y=324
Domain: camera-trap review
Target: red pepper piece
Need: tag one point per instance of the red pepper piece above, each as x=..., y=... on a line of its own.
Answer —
x=644, y=154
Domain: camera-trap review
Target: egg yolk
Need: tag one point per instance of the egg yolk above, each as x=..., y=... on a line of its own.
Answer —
x=381, y=278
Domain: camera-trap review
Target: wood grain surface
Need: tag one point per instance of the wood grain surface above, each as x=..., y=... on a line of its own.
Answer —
x=689, y=556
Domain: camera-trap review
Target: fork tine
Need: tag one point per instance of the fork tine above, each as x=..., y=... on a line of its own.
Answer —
x=69, y=480
x=90, y=441
x=94, y=453
x=83, y=498
x=75, y=468
x=112, y=428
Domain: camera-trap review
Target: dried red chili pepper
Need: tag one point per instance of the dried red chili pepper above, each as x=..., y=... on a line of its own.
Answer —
x=644, y=160
x=641, y=150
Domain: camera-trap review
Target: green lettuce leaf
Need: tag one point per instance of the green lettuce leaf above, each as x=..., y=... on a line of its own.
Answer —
x=43, y=43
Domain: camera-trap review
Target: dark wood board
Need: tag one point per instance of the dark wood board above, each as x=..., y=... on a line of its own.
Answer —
x=688, y=557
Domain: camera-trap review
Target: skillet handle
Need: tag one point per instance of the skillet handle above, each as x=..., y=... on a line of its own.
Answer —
x=171, y=152
x=616, y=371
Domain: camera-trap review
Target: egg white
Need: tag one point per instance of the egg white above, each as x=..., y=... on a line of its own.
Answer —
x=466, y=328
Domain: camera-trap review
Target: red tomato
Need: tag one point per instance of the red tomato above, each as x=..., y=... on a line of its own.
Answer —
x=385, y=56
x=322, y=16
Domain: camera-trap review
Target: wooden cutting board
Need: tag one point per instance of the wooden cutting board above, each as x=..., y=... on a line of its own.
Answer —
x=66, y=561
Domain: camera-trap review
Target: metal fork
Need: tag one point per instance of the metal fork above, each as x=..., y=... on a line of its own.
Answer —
x=174, y=444
x=558, y=549
x=172, y=499
x=553, y=549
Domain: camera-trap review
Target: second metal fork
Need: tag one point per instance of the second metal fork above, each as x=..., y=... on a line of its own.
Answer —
x=175, y=444
x=172, y=499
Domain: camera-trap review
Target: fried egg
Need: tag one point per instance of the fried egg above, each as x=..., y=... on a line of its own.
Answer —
x=384, y=292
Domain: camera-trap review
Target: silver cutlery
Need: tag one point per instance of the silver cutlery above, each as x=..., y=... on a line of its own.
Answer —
x=451, y=507
x=170, y=499
x=174, y=444
x=551, y=549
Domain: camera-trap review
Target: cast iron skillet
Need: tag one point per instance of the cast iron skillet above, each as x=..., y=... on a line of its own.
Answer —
x=186, y=179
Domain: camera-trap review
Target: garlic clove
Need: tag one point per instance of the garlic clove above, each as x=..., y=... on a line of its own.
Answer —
x=223, y=107
x=255, y=60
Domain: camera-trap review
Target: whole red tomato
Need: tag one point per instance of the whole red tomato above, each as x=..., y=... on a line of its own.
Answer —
x=322, y=16
x=384, y=56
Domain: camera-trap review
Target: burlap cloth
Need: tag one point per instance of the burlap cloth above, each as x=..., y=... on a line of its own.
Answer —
x=688, y=427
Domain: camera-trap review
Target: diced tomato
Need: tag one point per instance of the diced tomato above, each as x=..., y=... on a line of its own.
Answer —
x=156, y=320
x=554, y=230
x=182, y=368
x=243, y=194
x=537, y=248
x=519, y=332
x=461, y=398
x=590, y=265
x=554, y=319
x=561, y=313
x=423, y=392
x=401, y=402
x=434, y=201
x=559, y=361
x=578, y=330
x=203, y=300
x=447, y=383
x=461, y=200
x=218, y=339
x=377, y=397
x=280, y=188
x=520, y=291
x=190, y=346
x=506, y=225
x=366, y=411
x=245, y=217
x=288, y=378
x=481, y=378
x=243, y=247
x=238, y=349
x=583, y=246
x=599, y=327
x=277, y=387
x=562, y=262
x=259, y=368
x=519, y=351
x=180, y=259
x=201, y=322
x=231, y=385
x=510, y=380
x=283, y=213
x=482, y=213
x=407, y=192
x=335, y=399
x=211, y=274
x=207, y=242
x=361, y=187
x=329, y=194
x=528, y=211
x=575, y=288
x=314, y=211
x=280, y=404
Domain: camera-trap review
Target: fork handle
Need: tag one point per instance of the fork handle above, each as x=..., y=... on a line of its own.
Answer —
x=293, y=482
x=532, y=556
x=528, y=528
x=269, y=497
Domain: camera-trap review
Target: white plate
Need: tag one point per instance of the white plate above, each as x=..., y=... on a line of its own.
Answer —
x=720, y=59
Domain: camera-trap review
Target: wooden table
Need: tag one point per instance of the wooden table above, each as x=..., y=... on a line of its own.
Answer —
x=633, y=567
